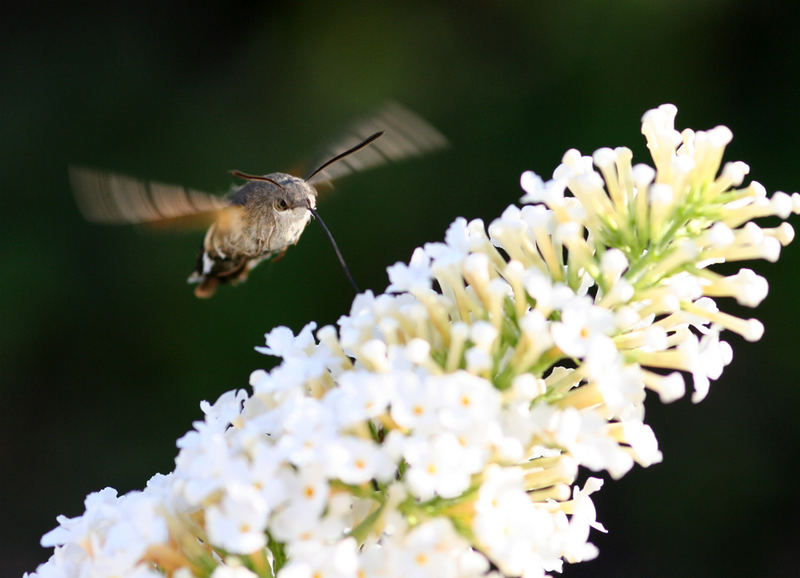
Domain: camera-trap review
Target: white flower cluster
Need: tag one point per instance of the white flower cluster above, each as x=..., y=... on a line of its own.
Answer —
x=440, y=429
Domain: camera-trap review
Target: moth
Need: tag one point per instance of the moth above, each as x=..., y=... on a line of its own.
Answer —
x=260, y=219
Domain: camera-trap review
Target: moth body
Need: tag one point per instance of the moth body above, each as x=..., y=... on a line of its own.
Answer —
x=266, y=215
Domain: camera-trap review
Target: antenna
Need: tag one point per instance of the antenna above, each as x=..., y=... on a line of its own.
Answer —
x=335, y=248
x=349, y=151
x=249, y=177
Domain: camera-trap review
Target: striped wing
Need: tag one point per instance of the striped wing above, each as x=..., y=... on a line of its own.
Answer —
x=405, y=134
x=112, y=198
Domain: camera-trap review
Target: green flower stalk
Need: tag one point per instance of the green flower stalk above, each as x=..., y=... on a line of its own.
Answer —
x=439, y=430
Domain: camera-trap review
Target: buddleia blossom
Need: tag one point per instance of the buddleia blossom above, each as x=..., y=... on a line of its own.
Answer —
x=439, y=429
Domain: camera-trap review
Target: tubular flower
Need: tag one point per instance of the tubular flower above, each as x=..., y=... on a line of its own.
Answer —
x=440, y=427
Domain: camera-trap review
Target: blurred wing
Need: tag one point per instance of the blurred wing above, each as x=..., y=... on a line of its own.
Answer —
x=405, y=135
x=112, y=198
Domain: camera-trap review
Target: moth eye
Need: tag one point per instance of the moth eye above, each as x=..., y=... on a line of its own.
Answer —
x=281, y=204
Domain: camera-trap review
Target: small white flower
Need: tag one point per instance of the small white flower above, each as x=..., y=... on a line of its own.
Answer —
x=643, y=443
x=238, y=523
x=206, y=467
x=431, y=549
x=584, y=517
x=361, y=395
x=307, y=429
x=356, y=461
x=548, y=296
x=581, y=321
x=465, y=236
x=478, y=360
x=415, y=402
x=281, y=342
x=308, y=492
x=312, y=559
x=713, y=356
x=613, y=264
x=748, y=288
x=620, y=385
x=416, y=276
x=511, y=530
x=440, y=466
x=469, y=402
x=223, y=412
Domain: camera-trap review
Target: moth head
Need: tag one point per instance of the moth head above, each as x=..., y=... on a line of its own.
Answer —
x=283, y=192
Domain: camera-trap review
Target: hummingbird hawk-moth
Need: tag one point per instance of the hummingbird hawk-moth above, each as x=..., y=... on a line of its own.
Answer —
x=262, y=218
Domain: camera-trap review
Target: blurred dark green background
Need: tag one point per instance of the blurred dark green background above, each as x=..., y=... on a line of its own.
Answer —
x=105, y=354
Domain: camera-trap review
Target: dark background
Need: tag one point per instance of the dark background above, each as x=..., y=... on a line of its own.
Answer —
x=105, y=354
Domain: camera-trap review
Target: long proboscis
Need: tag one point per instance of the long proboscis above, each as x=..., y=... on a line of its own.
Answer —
x=335, y=249
x=348, y=152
